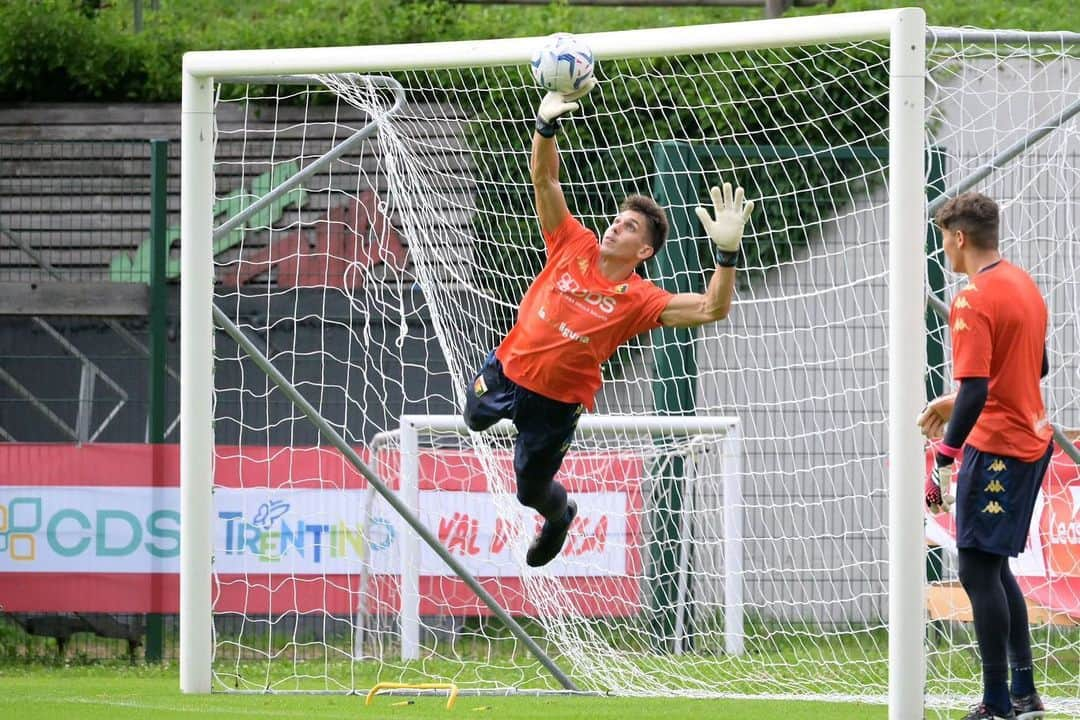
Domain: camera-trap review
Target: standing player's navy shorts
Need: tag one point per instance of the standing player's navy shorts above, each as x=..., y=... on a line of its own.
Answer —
x=995, y=497
x=545, y=429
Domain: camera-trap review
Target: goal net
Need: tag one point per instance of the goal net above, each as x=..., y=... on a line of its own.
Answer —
x=1002, y=113
x=373, y=234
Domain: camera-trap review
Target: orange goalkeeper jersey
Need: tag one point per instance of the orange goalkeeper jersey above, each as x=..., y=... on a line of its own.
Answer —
x=998, y=325
x=572, y=319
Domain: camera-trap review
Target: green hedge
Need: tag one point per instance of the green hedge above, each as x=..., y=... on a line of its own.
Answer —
x=74, y=50
x=86, y=49
x=53, y=50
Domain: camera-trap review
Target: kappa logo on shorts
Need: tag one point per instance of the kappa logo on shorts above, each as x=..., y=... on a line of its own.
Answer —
x=993, y=507
x=479, y=387
x=995, y=486
x=997, y=466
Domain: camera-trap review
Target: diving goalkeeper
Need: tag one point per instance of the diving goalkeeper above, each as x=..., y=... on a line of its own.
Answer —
x=586, y=301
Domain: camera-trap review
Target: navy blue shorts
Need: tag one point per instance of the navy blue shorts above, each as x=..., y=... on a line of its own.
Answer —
x=995, y=497
x=545, y=426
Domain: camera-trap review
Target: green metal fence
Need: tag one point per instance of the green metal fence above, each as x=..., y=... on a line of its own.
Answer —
x=84, y=348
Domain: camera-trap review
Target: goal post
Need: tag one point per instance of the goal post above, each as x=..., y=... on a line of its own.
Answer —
x=459, y=303
x=718, y=433
x=197, y=384
x=907, y=265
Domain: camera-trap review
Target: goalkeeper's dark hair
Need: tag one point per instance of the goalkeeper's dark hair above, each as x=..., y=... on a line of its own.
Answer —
x=654, y=216
x=976, y=215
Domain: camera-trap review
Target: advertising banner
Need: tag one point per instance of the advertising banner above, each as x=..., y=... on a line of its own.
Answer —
x=1048, y=570
x=83, y=529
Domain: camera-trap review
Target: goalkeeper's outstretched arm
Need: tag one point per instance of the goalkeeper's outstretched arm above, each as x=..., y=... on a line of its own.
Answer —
x=725, y=230
x=551, y=206
x=693, y=309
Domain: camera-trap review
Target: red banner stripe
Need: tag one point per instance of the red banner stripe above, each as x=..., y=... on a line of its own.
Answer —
x=140, y=465
x=275, y=594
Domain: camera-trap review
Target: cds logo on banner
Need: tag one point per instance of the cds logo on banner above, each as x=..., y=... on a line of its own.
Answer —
x=19, y=520
x=46, y=528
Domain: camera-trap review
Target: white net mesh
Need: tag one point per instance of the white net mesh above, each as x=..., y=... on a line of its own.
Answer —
x=379, y=286
x=983, y=99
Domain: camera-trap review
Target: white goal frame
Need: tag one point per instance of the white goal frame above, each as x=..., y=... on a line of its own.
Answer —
x=721, y=431
x=904, y=29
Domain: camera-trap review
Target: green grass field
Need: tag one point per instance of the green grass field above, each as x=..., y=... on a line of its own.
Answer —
x=120, y=692
x=126, y=693
x=90, y=683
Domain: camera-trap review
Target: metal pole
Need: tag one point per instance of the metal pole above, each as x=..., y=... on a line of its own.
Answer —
x=591, y=425
x=776, y=8
x=159, y=198
x=410, y=548
x=335, y=439
x=907, y=328
x=197, y=388
x=674, y=387
x=935, y=325
x=732, y=473
x=958, y=35
x=935, y=280
x=86, y=403
x=682, y=586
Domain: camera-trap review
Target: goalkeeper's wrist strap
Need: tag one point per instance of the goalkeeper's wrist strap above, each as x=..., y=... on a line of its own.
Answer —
x=948, y=451
x=727, y=258
x=545, y=128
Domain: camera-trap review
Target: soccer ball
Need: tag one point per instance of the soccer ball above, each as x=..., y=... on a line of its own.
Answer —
x=562, y=63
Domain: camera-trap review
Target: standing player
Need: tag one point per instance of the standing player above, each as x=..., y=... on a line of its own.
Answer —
x=997, y=421
x=586, y=302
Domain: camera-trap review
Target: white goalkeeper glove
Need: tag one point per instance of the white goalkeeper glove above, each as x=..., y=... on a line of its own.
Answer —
x=936, y=490
x=726, y=229
x=556, y=104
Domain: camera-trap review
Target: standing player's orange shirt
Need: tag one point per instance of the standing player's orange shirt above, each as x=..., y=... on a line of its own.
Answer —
x=572, y=319
x=998, y=327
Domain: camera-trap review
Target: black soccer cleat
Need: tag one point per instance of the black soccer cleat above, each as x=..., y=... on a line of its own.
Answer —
x=982, y=712
x=1028, y=707
x=551, y=539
